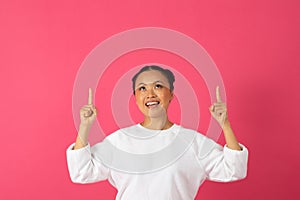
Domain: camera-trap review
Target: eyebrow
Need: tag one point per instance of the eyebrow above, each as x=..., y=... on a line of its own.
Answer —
x=152, y=83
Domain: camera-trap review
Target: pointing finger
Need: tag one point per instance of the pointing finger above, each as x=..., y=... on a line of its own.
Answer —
x=218, y=95
x=90, y=101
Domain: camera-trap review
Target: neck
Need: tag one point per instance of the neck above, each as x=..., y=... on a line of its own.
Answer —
x=160, y=123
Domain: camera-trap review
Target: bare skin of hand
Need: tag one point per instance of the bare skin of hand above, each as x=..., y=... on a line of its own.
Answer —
x=88, y=114
x=219, y=112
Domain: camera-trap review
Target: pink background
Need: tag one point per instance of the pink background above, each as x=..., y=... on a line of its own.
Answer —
x=43, y=43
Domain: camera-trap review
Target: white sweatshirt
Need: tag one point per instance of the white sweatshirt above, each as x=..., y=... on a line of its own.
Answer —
x=144, y=164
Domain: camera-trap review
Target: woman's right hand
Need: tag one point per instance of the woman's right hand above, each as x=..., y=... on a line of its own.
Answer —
x=88, y=113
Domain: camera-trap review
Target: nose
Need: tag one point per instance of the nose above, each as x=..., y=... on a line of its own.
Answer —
x=151, y=93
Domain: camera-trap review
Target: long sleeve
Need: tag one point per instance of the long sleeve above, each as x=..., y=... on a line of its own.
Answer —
x=84, y=165
x=222, y=164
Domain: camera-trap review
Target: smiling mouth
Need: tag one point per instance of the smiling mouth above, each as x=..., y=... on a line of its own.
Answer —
x=152, y=104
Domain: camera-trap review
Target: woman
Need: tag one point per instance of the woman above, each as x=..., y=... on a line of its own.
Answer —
x=156, y=159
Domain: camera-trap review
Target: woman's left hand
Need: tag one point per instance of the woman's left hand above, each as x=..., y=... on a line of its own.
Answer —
x=219, y=110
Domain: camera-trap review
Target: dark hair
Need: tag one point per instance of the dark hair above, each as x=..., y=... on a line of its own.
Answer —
x=167, y=73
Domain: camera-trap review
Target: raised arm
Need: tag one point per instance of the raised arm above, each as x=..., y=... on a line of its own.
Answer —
x=88, y=115
x=219, y=111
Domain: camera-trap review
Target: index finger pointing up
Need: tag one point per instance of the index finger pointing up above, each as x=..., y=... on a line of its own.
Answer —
x=90, y=101
x=218, y=95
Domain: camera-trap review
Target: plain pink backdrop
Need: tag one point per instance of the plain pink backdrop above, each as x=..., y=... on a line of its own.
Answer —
x=43, y=43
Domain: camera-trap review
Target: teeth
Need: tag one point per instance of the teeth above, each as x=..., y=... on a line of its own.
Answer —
x=151, y=103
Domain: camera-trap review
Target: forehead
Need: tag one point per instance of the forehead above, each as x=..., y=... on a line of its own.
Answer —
x=151, y=77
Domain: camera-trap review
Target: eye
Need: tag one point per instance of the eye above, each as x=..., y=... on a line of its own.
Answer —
x=142, y=88
x=158, y=86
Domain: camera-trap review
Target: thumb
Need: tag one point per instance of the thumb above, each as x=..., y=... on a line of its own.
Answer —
x=211, y=108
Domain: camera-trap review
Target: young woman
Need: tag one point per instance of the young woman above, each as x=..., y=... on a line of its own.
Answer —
x=156, y=159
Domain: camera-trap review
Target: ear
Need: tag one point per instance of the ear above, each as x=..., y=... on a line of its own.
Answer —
x=134, y=98
x=172, y=96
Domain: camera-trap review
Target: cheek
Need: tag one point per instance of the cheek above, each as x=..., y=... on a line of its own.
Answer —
x=165, y=96
x=138, y=99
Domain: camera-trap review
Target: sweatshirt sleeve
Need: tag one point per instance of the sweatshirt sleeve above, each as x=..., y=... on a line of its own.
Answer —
x=221, y=163
x=84, y=165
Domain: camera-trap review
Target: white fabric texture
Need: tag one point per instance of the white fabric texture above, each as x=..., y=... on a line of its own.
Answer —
x=201, y=159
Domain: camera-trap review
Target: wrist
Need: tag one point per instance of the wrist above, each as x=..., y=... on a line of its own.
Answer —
x=226, y=124
x=85, y=127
